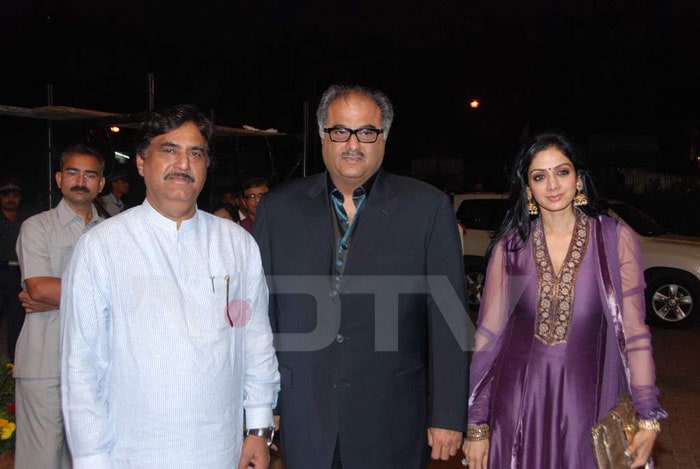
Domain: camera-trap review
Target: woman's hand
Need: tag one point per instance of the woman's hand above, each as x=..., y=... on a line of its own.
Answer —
x=476, y=453
x=640, y=449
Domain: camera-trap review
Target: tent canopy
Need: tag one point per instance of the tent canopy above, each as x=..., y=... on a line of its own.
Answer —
x=52, y=114
x=65, y=113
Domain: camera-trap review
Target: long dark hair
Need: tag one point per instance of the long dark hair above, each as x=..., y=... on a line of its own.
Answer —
x=517, y=219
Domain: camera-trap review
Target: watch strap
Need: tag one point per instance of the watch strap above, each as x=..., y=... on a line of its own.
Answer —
x=267, y=433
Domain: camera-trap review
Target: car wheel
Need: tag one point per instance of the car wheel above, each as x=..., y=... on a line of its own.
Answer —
x=672, y=299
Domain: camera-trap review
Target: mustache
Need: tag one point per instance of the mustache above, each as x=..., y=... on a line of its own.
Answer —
x=352, y=153
x=179, y=175
x=79, y=189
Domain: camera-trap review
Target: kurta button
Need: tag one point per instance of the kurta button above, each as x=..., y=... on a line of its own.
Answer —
x=340, y=338
x=333, y=293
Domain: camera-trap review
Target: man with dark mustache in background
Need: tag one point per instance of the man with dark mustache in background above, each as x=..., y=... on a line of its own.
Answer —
x=44, y=248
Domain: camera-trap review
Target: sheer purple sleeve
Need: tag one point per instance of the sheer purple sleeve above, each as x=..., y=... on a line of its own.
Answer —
x=637, y=336
x=493, y=315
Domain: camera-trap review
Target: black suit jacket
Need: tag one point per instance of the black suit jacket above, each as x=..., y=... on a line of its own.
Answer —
x=362, y=362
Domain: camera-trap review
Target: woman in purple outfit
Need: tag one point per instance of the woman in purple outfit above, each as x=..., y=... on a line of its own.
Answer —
x=561, y=332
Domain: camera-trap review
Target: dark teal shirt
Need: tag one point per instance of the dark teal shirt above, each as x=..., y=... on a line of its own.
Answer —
x=344, y=232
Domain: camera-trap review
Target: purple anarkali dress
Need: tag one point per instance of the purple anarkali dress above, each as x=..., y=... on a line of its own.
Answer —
x=540, y=363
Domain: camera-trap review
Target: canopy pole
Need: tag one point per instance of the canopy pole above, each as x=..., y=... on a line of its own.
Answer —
x=151, y=92
x=49, y=138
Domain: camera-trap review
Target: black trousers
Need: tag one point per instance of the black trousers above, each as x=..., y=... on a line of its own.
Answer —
x=10, y=308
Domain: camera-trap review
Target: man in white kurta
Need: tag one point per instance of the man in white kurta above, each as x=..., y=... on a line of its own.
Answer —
x=166, y=338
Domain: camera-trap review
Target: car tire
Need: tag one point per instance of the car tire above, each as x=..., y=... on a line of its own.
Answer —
x=673, y=299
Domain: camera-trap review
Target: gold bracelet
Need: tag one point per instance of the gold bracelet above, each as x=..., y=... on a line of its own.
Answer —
x=651, y=424
x=478, y=432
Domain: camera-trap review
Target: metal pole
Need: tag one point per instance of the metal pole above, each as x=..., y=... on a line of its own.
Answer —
x=151, y=92
x=49, y=138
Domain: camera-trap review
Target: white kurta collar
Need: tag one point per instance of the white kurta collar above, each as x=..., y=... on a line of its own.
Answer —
x=164, y=223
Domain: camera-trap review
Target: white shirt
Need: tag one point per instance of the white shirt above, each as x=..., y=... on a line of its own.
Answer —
x=153, y=374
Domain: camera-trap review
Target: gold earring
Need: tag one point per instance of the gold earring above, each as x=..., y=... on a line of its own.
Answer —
x=531, y=206
x=581, y=198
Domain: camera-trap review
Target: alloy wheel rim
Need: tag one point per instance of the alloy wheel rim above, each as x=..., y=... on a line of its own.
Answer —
x=672, y=303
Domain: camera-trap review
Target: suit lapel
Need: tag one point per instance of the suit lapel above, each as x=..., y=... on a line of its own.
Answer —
x=379, y=209
x=317, y=222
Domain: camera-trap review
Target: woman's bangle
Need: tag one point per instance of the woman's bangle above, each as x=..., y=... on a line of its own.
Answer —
x=651, y=424
x=478, y=432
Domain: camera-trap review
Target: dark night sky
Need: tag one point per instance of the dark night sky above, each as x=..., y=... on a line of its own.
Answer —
x=588, y=67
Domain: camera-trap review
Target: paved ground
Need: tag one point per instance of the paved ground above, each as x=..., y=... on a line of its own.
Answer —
x=677, y=354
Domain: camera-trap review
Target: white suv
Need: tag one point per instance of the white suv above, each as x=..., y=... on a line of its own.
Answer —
x=671, y=262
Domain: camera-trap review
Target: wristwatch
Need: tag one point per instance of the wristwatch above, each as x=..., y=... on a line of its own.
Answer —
x=267, y=433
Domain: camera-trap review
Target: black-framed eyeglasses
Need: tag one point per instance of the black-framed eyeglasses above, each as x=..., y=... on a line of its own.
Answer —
x=363, y=134
x=254, y=196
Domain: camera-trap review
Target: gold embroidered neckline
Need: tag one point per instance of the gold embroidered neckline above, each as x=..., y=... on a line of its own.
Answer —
x=555, y=294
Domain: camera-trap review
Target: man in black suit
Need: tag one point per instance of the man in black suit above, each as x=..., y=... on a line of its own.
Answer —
x=367, y=302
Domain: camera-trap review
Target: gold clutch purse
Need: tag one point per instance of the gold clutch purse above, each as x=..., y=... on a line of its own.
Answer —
x=612, y=435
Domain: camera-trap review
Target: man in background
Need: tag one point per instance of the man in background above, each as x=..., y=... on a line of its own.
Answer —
x=113, y=202
x=228, y=207
x=228, y=197
x=254, y=189
x=11, y=218
x=44, y=248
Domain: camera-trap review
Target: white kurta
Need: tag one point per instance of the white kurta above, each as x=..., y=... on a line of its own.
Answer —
x=154, y=374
